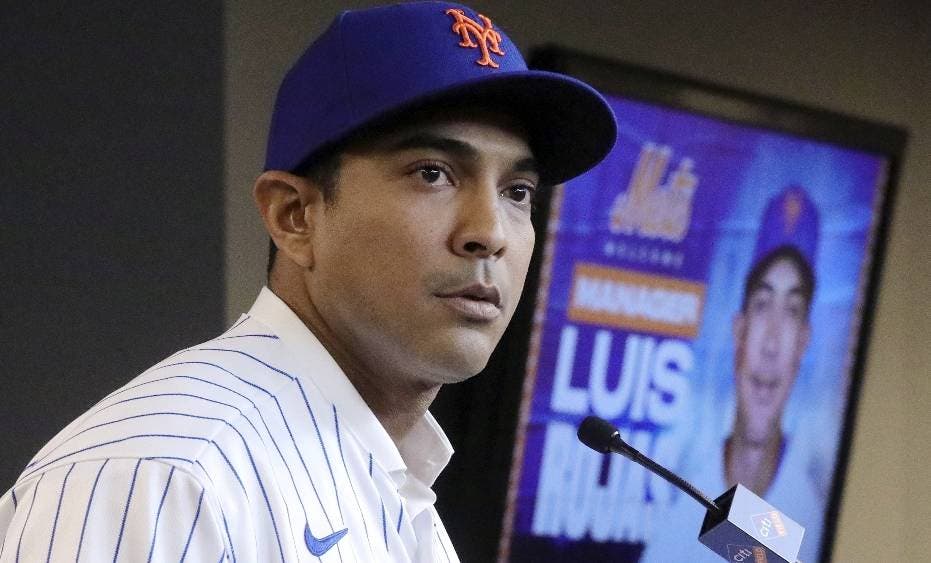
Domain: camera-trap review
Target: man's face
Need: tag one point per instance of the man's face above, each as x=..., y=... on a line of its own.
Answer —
x=770, y=336
x=421, y=259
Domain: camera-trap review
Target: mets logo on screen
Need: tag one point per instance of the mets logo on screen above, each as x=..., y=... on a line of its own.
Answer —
x=746, y=554
x=651, y=209
x=769, y=524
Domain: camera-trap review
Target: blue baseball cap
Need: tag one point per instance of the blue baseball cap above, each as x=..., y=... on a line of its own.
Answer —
x=375, y=64
x=790, y=219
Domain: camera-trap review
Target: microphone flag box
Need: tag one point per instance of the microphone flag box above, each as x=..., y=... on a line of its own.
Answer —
x=750, y=530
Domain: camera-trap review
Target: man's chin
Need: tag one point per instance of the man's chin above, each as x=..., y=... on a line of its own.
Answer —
x=462, y=368
x=762, y=436
x=448, y=352
x=462, y=362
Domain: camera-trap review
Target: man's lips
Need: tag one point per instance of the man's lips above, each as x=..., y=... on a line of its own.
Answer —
x=475, y=301
x=764, y=389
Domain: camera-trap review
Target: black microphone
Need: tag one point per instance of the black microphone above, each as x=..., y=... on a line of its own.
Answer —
x=739, y=526
x=601, y=436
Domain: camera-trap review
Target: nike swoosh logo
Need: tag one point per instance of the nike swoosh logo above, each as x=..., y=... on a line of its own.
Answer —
x=319, y=546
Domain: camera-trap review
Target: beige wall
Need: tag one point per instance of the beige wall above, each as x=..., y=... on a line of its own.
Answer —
x=871, y=62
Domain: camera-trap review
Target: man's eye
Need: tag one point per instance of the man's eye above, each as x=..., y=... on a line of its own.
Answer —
x=434, y=175
x=796, y=311
x=759, y=304
x=520, y=193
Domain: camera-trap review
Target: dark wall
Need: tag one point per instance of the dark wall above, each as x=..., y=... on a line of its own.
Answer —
x=111, y=205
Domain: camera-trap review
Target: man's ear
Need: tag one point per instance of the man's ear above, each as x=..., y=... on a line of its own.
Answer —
x=738, y=324
x=288, y=204
x=738, y=332
x=804, y=335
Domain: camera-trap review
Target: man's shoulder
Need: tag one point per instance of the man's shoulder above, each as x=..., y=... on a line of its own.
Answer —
x=200, y=406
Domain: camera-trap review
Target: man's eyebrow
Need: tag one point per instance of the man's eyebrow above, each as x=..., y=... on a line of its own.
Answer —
x=764, y=286
x=761, y=286
x=797, y=290
x=528, y=164
x=457, y=147
x=431, y=141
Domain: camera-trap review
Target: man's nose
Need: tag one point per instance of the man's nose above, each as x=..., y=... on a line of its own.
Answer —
x=772, y=334
x=480, y=230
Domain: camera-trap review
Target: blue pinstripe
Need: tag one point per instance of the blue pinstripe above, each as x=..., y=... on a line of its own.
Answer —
x=440, y=541
x=171, y=413
x=129, y=498
x=226, y=525
x=262, y=418
x=168, y=457
x=237, y=325
x=326, y=456
x=316, y=428
x=61, y=496
x=254, y=406
x=141, y=397
x=268, y=504
x=15, y=503
x=288, y=428
x=384, y=524
x=339, y=443
x=272, y=336
x=258, y=411
x=274, y=442
x=229, y=330
x=265, y=496
x=256, y=471
x=273, y=368
x=291, y=434
x=87, y=512
x=35, y=492
x=158, y=514
x=135, y=436
x=109, y=422
x=233, y=469
x=187, y=545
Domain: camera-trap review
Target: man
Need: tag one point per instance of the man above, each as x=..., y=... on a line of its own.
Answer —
x=771, y=333
x=406, y=146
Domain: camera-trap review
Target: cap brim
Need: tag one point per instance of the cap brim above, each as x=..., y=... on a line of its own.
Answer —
x=570, y=125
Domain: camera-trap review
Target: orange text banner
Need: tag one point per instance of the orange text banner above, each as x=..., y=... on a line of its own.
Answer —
x=636, y=301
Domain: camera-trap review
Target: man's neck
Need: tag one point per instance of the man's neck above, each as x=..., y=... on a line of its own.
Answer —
x=399, y=408
x=396, y=402
x=752, y=464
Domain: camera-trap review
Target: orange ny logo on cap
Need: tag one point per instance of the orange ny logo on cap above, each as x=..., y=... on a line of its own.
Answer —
x=791, y=210
x=488, y=39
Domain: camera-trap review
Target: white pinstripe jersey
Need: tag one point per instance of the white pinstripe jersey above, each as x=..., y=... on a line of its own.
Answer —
x=252, y=447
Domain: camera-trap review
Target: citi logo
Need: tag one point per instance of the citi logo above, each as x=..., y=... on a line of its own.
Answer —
x=746, y=554
x=769, y=524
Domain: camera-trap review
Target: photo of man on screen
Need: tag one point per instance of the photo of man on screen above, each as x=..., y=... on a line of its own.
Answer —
x=771, y=332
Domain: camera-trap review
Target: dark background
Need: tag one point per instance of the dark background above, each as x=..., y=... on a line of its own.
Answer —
x=111, y=202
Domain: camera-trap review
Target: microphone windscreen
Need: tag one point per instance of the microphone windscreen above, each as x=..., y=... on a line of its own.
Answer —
x=597, y=433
